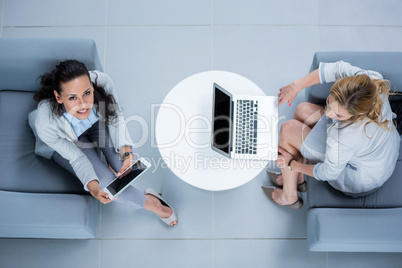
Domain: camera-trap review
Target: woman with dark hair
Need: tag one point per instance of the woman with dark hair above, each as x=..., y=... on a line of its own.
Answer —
x=78, y=113
x=352, y=143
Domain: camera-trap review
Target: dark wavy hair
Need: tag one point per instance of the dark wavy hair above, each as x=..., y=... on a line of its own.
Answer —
x=104, y=103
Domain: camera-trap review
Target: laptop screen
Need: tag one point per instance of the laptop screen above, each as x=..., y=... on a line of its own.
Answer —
x=222, y=120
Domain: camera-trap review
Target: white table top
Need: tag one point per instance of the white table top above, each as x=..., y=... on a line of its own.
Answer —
x=183, y=133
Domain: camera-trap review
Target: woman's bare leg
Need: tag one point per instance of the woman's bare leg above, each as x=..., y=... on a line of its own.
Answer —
x=291, y=137
x=308, y=114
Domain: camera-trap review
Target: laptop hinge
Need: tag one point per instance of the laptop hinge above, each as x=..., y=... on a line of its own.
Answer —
x=232, y=128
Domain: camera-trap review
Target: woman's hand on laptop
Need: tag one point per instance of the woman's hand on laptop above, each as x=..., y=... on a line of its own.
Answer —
x=288, y=93
x=98, y=193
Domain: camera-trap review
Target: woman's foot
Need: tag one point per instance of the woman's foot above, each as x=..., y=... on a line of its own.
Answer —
x=153, y=204
x=277, y=179
x=280, y=198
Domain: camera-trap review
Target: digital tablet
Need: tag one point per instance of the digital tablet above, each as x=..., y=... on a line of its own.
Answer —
x=118, y=185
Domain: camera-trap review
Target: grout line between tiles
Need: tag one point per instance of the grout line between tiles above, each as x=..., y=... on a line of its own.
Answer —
x=100, y=221
x=213, y=253
x=105, y=40
x=213, y=229
x=213, y=47
x=319, y=25
x=213, y=35
x=198, y=239
x=100, y=234
x=205, y=25
x=2, y=19
x=99, y=255
x=213, y=193
x=200, y=25
x=213, y=215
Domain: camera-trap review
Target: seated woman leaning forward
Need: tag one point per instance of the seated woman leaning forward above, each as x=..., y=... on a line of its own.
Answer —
x=77, y=113
x=352, y=143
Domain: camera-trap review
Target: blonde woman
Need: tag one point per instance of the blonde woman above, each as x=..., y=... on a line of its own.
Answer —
x=352, y=143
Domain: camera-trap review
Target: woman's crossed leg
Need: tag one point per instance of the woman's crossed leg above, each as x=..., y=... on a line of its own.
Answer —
x=291, y=137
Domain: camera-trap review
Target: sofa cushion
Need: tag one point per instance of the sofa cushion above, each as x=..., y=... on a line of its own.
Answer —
x=21, y=169
x=321, y=194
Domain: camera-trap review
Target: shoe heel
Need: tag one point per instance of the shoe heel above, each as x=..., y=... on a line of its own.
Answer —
x=297, y=205
x=302, y=187
x=273, y=177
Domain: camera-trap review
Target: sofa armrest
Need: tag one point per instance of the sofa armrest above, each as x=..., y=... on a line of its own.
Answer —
x=62, y=216
x=354, y=230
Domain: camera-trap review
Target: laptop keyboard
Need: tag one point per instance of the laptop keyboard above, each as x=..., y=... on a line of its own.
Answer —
x=246, y=122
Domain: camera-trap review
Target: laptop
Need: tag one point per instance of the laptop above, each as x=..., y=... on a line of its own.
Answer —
x=244, y=126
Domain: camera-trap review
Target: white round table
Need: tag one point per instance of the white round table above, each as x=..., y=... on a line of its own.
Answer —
x=183, y=133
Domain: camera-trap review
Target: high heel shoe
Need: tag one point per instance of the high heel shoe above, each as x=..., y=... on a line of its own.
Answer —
x=173, y=217
x=302, y=187
x=269, y=190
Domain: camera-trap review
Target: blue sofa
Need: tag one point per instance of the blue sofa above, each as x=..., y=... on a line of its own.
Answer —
x=38, y=199
x=336, y=222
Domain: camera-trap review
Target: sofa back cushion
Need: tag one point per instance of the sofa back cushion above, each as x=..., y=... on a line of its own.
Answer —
x=23, y=60
x=21, y=169
x=386, y=63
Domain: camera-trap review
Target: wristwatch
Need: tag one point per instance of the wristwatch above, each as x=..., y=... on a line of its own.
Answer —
x=127, y=154
x=290, y=162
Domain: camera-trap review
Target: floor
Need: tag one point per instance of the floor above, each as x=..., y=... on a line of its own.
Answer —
x=150, y=46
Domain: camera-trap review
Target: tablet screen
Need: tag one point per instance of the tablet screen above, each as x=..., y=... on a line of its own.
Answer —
x=118, y=184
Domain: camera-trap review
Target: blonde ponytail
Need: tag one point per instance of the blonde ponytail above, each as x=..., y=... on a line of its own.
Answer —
x=375, y=113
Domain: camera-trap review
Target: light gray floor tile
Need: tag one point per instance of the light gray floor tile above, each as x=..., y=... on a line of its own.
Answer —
x=54, y=13
x=266, y=253
x=147, y=65
x=41, y=253
x=370, y=12
x=156, y=253
x=246, y=212
x=160, y=12
x=271, y=57
x=95, y=33
x=364, y=260
x=360, y=38
x=266, y=12
x=153, y=60
x=194, y=207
